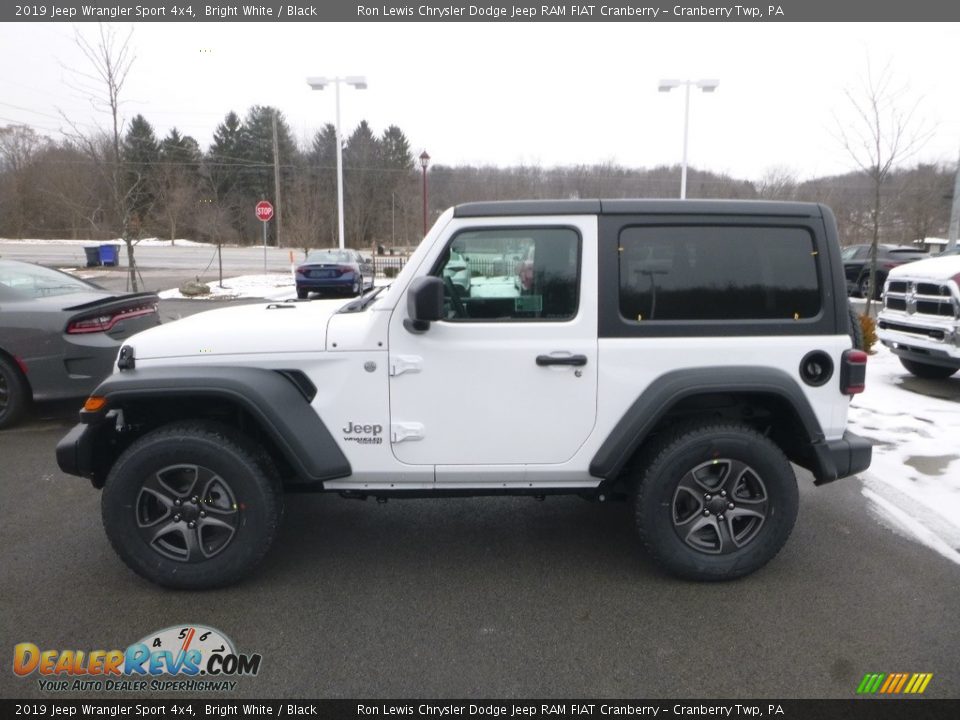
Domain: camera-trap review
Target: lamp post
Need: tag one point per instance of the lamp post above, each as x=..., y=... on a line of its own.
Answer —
x=319, y=83
x=424, y=162
x=667, y=86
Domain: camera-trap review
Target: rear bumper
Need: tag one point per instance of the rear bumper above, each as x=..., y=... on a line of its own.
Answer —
x=841, y=458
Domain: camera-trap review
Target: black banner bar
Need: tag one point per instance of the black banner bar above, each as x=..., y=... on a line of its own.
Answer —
x=215, y=708
x=479, y=11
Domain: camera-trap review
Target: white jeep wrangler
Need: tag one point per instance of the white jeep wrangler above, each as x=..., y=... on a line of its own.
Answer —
x=679, y=354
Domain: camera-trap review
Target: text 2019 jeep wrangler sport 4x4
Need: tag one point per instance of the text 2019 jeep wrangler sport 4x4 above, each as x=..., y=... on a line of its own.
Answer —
x=676, y=353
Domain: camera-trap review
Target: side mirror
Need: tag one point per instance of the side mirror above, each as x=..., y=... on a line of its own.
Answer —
x=424, y=303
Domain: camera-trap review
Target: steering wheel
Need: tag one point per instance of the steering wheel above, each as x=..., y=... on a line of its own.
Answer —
x=458, y=308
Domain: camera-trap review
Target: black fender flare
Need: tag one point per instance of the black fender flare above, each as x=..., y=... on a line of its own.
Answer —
x=672, y=387
x=278, y=400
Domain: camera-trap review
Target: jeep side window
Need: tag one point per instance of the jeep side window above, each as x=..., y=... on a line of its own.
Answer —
x=717, y=273
x=520, y=274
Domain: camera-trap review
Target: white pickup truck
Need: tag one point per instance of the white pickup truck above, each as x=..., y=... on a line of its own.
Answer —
x=920, y=319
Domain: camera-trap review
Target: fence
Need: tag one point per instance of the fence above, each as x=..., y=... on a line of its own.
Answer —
x=479, y=266
x=383, y=263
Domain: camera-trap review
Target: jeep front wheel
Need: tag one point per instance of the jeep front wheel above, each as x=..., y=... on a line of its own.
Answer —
x=715, y=501
x=190, y=506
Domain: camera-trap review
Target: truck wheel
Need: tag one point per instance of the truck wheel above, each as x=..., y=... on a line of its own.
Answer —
x=856, y=329
x=14, y=394
x=192, y=506
x=715, y=501
x=930, y=372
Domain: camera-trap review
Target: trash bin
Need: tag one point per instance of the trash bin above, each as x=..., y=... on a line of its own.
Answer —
x=109, y=254
x=93, y=256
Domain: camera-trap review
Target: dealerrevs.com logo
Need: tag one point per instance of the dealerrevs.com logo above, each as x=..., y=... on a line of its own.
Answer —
x=188, y=658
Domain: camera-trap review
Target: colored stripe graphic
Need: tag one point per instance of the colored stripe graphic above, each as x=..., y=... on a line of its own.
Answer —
x=870, y=683
x=894, y=683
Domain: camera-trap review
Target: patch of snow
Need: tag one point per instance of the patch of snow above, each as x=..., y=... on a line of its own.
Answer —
x=148, y=242
x=272, y=286
x=916, y=457
x=903, y=522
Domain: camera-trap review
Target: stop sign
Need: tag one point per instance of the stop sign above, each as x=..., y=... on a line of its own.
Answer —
x=264, y=211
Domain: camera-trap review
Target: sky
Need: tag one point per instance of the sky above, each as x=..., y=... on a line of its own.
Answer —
x=508, y=94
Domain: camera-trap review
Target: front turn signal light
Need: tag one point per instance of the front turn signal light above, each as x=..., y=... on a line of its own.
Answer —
x=94, y=403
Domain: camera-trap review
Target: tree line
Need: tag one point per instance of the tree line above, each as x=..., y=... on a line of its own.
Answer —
x=173, y=188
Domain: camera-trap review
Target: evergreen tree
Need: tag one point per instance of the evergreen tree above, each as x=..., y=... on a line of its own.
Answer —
x=177, y=179
x=398, y=184
x=256, y=152
x=322, y=168
x=223, y=157
x=362, y=177
x=140, y=154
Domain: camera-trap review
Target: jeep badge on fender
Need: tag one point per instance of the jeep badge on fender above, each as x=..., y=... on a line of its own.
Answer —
x=677, y=355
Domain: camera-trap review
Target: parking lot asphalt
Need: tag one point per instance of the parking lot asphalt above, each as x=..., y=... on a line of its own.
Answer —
x=488, y=597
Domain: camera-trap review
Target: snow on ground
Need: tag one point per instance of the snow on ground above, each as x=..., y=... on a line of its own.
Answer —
x=913, y=483
x=272, y=286
x=148, y=242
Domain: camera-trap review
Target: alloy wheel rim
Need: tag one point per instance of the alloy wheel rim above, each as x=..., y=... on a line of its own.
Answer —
x=187, y=513
x=719, y=506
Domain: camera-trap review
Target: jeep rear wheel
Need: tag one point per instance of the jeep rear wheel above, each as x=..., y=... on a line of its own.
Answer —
x=190, y=506
x=715, y=502
x=929, y=372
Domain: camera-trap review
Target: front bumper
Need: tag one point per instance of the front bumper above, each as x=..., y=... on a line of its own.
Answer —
x=841, y=458
x=75, y=451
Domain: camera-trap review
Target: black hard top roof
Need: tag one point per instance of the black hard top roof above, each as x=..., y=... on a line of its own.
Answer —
x=637, y=207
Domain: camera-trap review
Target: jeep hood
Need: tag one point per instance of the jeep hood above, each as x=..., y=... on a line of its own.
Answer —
x=935, y=268
x=277, y=327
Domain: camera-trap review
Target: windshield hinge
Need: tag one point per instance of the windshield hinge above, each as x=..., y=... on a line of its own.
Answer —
x=400, y=364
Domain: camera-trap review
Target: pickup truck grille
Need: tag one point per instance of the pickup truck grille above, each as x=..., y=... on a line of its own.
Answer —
x=920, y=298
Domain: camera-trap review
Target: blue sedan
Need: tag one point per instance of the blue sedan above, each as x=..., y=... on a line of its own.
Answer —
x=340, y=271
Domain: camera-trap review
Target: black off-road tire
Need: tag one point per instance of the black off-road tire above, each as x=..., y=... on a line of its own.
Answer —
x=707, y=448
x=14, y=394
x=928, y=372
x=856, y=329
x=162, y=460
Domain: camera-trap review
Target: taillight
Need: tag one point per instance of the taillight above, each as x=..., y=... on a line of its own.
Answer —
x=853, y=372
x=106, y=321
x=890, y=266
x=302, y=270
x=345, y=268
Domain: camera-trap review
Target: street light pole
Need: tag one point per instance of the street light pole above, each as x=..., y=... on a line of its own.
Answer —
x=319, y=83
x=424, y=162
x=667, y=86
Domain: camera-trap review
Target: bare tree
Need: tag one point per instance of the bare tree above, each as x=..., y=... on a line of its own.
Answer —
x=110, y=61
x=778, y=183
x=886, y=131
x=19, y=146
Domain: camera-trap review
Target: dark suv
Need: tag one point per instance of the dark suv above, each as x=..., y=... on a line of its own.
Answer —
x=856, y=265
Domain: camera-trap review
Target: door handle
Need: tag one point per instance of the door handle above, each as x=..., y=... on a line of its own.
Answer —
x=578, y=360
